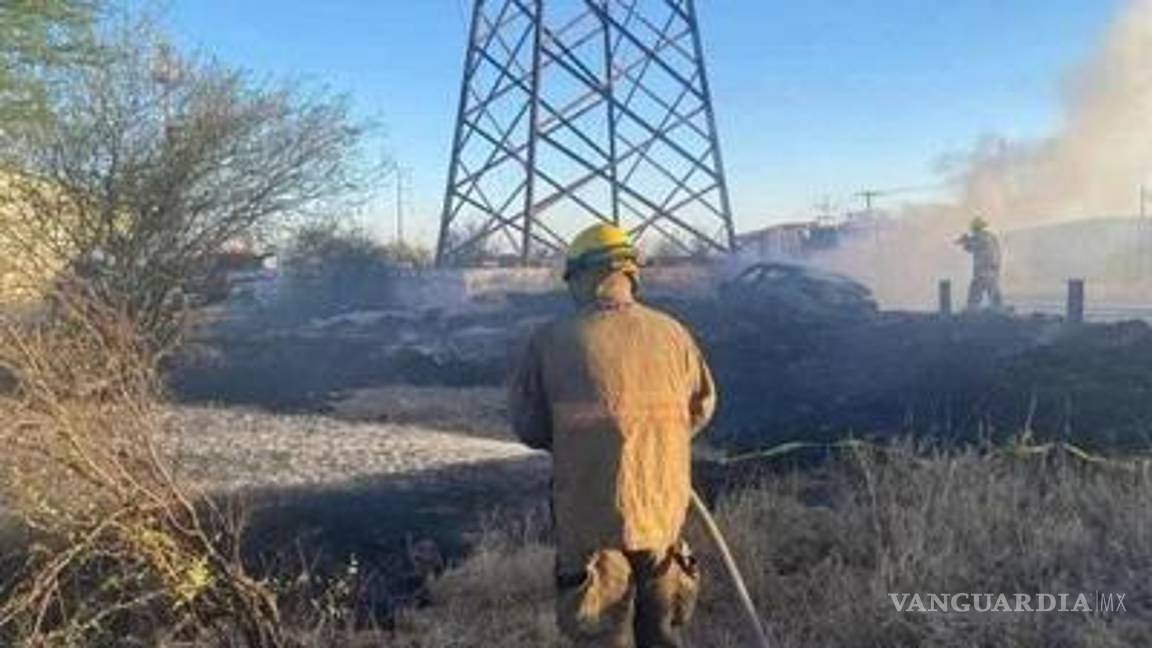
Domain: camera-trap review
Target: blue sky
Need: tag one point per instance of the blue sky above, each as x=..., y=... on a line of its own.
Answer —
x=813, y=98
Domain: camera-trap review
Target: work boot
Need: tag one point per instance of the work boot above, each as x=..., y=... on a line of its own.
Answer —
x=667, y=587
x=594, y=607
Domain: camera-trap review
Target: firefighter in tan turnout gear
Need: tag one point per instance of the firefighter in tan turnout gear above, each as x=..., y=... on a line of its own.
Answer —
x=986, y=262
x=616, y=392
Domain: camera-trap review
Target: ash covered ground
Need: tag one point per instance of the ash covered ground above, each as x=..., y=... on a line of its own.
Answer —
x=798, y=356
x=367, y=429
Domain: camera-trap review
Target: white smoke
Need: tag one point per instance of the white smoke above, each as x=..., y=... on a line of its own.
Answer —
x=1096, y=163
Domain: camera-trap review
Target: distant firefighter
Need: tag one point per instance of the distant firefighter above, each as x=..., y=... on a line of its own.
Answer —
x=986, y=262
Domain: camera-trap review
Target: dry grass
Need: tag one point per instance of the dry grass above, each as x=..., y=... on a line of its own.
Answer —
x=823, y=549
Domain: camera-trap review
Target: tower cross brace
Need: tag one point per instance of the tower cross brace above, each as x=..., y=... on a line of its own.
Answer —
x=577, y=111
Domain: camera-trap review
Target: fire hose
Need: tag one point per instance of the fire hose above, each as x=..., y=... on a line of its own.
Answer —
x=733, y=570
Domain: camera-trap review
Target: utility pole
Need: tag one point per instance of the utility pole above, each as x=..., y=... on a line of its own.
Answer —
x=869, y=195
x=403, y=177
x=166, y=73
x=825, y=208
x=1144, y=250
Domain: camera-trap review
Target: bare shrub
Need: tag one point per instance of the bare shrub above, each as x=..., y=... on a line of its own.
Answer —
x=153, y=162
x=123, y=548
x=331, y=268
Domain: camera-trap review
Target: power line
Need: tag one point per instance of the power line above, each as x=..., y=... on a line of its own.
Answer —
x=870, y=195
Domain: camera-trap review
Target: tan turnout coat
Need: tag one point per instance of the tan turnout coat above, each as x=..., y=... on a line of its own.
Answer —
x=615, y=392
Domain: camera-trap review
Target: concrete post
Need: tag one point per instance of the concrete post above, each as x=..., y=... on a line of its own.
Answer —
x=946, y=297
x=1075, y=301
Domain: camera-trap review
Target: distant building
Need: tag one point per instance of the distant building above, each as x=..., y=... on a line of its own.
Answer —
x=791, y=240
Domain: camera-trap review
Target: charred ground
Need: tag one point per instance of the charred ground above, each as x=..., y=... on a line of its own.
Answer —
x=801, y=356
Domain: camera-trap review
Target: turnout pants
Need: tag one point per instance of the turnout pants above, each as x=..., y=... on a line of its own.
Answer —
x=985, y=286
x=629, y=599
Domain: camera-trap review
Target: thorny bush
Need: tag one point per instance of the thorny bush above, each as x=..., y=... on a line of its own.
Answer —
x=120, y=546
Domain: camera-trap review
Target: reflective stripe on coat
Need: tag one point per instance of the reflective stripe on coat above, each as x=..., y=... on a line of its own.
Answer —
x=616, y=393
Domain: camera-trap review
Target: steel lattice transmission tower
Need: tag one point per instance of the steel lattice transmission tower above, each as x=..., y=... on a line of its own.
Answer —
x=572, y=110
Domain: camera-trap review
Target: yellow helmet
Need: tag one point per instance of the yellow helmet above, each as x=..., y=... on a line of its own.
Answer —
x=598, y=246
x=979, y=224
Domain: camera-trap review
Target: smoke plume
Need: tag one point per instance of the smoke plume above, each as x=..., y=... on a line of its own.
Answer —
x=1096, y=163
x=1092, y=167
